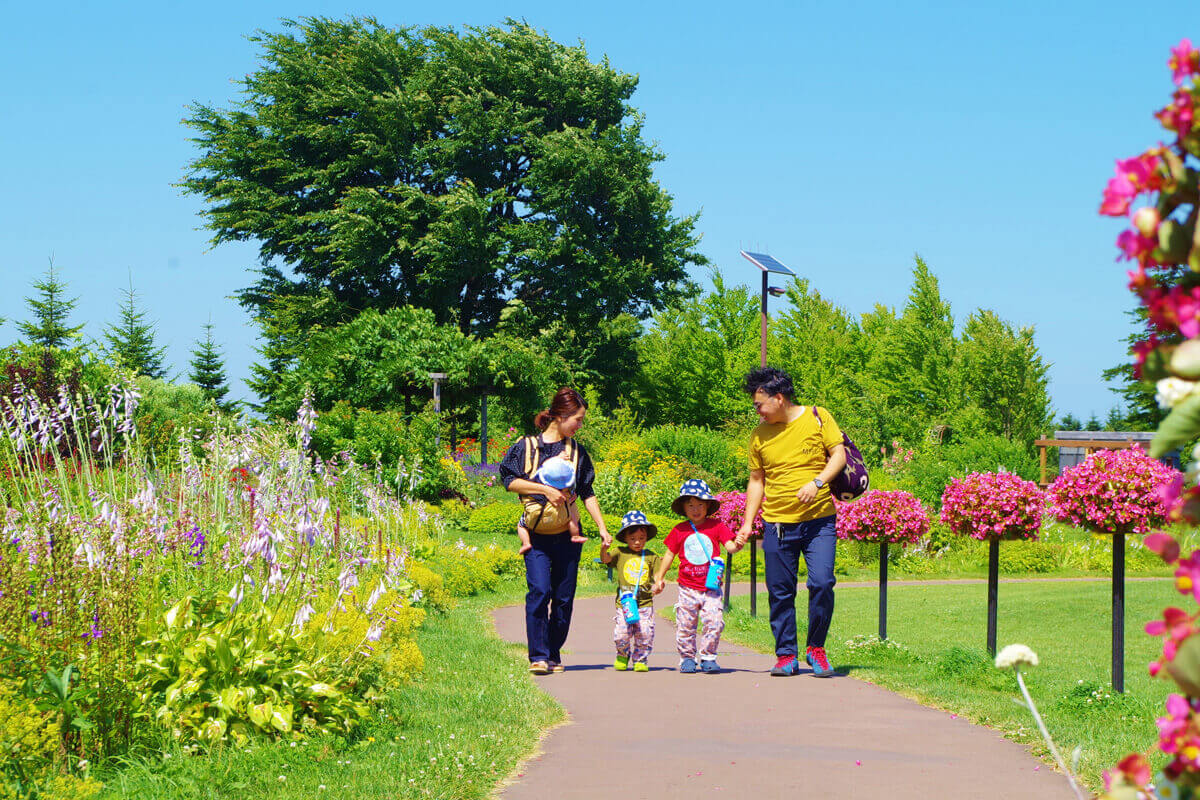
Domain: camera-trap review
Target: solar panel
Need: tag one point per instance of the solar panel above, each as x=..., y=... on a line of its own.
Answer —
x=767, y=263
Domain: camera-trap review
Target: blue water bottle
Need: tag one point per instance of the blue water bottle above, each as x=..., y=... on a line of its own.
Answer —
x=628, y=601
x=716, y=568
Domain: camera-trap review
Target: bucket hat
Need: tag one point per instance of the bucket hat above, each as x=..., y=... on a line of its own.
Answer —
x=636, y=519
x=699, y=489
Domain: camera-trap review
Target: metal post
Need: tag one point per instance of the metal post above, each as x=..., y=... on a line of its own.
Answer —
x=437, y=378
x=753, y=577
x=483, y=440
x=762, y=352
x=728, y=579
x=993, y=581
x=883, y=565
x=1118, y=613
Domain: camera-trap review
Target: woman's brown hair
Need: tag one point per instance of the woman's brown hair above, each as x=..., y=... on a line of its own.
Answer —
x=566, y=402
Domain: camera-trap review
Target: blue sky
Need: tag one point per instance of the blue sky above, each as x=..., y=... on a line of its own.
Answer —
x=841, y=137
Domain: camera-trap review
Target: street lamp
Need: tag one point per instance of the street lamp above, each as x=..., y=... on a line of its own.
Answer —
x=437, y=378
x=767, y=265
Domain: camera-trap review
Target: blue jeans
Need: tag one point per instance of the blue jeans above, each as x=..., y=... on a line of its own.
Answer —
x=551, y=569
x=783, y=543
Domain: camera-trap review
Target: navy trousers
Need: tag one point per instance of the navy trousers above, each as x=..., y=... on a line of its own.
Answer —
x=551, y=571
x=783, y=543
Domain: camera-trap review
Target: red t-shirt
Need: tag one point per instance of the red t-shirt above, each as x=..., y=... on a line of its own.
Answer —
x=696, y=551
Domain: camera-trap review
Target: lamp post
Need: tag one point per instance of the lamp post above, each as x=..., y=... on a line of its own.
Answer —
x=437, y=378
x=767, y=265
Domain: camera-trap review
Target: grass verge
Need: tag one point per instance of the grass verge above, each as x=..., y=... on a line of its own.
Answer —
x=455, y=732
x=936, y=653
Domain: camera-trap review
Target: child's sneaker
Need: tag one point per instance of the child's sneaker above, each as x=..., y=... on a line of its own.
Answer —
x=786, y=665
x=819, y=662
x=622, y=664
x=641, y=666
x=710, y=667
x=687, y=665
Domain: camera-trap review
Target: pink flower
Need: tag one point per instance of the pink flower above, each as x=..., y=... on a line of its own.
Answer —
x=733, y=509
x=993, y=505
x=1135, y=245
x=1179, y=115
x=1112, y=491
x=892, y=517
x=1184, y=61
x=1118, y=195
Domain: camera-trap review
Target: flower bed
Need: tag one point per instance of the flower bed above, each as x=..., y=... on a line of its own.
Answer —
x=883, y=517
x=1113, y=491
x=993, y=505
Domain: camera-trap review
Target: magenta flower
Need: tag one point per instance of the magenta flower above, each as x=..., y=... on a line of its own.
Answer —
x=733, y=510
x=1184, y=61
x=1112, y=491
x=891, y=517
x=1135, y=245
x=993, y=505
x=1118, y=195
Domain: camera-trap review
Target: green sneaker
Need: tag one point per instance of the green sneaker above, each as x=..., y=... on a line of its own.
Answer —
x=641, y=666
x=621, y=664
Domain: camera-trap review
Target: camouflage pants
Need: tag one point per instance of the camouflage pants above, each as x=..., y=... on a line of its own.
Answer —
x=695, y=607
x=634, y=641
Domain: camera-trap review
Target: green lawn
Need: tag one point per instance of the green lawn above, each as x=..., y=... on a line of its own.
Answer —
x=454, y=733
x=939, y=657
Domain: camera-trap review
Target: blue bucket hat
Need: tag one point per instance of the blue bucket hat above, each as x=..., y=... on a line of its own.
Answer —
x=636, y=519
x=698, y=489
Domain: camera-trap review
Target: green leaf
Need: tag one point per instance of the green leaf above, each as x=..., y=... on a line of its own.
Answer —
x=1181, y=426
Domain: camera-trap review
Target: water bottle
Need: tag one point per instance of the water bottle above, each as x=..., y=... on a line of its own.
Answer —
x=628, y=601
x=716, y=568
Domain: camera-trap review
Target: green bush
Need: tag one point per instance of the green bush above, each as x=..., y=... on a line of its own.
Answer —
x=699, y=446
x=406, y=448
x=495, y=520
x=1036, y=557
x=169, y=411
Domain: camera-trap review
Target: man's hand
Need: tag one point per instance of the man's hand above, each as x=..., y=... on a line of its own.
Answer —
x=807, y=493
x=743, y=534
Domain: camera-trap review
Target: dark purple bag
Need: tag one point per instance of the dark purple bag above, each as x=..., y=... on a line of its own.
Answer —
x=853, y=480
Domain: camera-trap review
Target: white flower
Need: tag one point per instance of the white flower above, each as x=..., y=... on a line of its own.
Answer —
x=1172, y=391
x=1016, y=655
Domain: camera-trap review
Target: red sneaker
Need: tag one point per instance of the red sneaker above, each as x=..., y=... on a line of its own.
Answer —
x=819, y=662
x=786, y=665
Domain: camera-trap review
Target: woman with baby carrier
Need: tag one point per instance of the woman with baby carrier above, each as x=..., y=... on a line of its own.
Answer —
x=550, y=471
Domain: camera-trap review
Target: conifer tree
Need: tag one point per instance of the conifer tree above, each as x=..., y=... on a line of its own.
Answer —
x=208, y=370
x=49, y=327
x=131, y=340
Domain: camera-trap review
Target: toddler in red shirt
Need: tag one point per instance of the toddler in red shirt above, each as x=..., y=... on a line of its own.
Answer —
x=697, y=540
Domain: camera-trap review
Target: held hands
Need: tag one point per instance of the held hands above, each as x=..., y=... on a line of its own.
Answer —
x=743, y=535
x=606, y=539
x=807, y=493
x=659, y=585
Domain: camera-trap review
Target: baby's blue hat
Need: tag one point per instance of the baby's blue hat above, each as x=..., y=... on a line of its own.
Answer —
x=556, y=472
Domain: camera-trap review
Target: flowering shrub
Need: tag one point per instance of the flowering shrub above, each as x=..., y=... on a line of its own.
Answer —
x=993, y=505
x=733, y=511
x=1112, y=491
x=891, y=517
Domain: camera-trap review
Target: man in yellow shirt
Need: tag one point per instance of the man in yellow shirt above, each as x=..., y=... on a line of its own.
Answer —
x=794, y=453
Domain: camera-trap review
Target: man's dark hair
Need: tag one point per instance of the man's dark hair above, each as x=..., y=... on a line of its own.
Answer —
x=772, y=381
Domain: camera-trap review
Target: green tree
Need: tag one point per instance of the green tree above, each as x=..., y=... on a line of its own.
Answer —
x=694, y=356
x=1141, y=411
x=1002, y=374
x=208, y=370
x=131, y=340
x=50, y=308
x=1070, y=422
x=380, y=167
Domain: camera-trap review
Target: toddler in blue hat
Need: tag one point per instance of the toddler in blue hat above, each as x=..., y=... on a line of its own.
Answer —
x=698, y=541
x=634, y=566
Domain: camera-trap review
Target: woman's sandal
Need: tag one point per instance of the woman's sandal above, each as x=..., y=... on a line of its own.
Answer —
x=557, y=667
x=539, y=668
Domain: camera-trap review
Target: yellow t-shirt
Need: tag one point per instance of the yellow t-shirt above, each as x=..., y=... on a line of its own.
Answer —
x=791, y=454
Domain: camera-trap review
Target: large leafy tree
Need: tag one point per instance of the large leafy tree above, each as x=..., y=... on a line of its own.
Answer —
x=380, y=167
x=130, y=341
x=51, y=310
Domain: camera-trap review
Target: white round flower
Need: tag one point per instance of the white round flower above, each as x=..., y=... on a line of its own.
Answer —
x=1016, y=655
x=1171, y=392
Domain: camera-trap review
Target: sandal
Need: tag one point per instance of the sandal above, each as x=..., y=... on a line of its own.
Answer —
x=557, y=667
x=539, y=668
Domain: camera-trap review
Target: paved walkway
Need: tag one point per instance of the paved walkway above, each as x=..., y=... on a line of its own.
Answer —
x=745, y=734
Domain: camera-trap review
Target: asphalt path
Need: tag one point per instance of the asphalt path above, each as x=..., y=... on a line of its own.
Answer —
x=742, y=733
